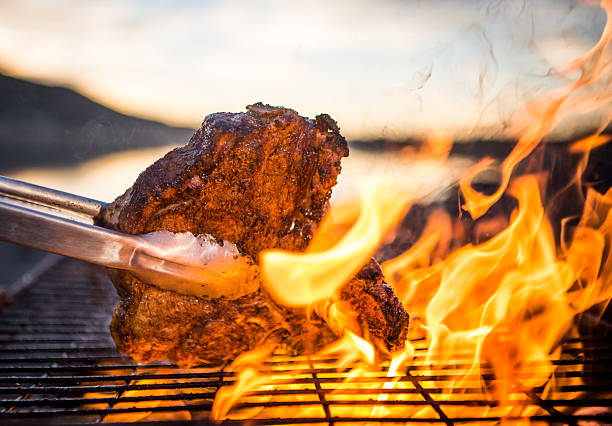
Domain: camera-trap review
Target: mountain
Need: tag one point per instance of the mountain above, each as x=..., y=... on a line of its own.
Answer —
x=54, y=126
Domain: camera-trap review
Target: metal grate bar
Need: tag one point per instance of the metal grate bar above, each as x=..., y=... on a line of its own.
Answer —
x=428, y=399
x=379, y=379
x=547, y=405
x=320, y=393
x=195, y=385
x=75, y=402
x=57, y=362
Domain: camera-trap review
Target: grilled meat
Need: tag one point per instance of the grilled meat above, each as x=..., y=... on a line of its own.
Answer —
x=260, y=179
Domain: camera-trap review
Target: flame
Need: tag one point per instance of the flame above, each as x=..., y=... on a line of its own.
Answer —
x=543, y=114
x=301, y=279
x=392, y=372
x=347, y=237
x=349, y=349
x=501, y=298
x=146, y=403
x=505, y=302
x=247, y=366
x=505, y=297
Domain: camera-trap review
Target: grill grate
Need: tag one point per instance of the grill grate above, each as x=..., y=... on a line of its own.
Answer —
x=58, y=365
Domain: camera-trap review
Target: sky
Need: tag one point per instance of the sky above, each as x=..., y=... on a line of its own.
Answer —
x=384, y=69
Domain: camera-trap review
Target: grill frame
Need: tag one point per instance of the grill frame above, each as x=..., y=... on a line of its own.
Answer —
x=55, y=348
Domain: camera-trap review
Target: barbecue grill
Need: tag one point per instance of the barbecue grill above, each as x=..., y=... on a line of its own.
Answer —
x=58, y=365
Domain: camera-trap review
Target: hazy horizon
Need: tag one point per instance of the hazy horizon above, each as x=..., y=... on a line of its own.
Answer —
x=389, y=70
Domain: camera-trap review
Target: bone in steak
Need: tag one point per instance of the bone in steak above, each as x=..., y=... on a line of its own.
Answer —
x=260, y=179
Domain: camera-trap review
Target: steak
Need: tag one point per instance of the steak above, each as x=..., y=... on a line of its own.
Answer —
x=259, y=179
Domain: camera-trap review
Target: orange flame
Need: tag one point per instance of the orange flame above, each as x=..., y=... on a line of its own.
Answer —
x=504, y=301
x=301, y=279
x=146, y=403
x=248, y=378
x=543, y=114
x=347, y=237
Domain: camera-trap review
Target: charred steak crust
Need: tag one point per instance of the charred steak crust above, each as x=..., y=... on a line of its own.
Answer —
x=260, y=179
x=151, y=324
x=378, y=309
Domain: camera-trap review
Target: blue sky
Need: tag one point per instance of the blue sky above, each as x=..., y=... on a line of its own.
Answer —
x=383, y=69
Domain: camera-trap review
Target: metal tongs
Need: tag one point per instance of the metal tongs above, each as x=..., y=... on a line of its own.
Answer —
x=63, y=223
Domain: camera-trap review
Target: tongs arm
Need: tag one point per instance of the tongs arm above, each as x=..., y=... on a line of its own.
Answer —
x=41, y=195
x=62, y=223
x=56, y=234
